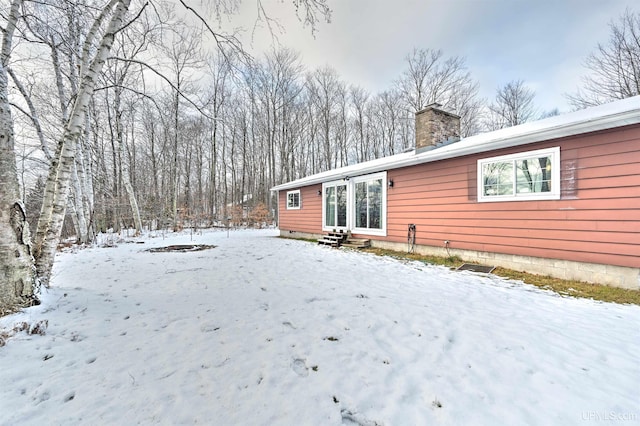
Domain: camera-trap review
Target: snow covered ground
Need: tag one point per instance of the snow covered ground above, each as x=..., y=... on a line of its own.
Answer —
x=267, y=331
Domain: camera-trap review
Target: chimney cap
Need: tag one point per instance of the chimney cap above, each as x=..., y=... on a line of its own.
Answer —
x=438, y=107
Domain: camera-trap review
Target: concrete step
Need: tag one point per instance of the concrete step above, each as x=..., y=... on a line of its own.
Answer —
x=357, y=243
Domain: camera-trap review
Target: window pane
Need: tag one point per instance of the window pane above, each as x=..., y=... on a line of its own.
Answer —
x=361, y=205
x=330, y=206
x=533, y=175
x=293, y=200
x=498, y=178
x=375, y=204
x=341, y=198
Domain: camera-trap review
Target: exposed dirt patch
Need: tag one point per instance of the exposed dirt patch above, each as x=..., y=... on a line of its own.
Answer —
x=181, y=248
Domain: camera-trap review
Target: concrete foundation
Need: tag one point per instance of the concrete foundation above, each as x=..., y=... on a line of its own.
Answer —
x=615, y=276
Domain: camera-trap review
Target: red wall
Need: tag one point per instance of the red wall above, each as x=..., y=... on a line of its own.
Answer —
x=596, y=220
x=308, y=218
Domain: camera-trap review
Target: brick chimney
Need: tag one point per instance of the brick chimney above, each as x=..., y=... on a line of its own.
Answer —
x=434, y=126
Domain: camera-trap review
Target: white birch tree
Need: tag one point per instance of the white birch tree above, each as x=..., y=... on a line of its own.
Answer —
x=96, y=48
x=17, y=279
x=80, y=36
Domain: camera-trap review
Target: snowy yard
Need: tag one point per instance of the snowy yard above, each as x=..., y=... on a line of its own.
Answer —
x=268, y=331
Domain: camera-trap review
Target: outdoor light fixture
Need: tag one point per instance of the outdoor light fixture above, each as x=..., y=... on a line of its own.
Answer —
x=319, y=192
x=390, y=183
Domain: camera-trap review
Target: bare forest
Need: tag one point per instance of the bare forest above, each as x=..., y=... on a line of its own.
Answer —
x=129, y=114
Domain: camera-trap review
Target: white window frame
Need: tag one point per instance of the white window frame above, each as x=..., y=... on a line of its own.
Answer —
x=554, y=194
x=291, y=206
x=335, y=183
x=383, y=208
x=350, y=183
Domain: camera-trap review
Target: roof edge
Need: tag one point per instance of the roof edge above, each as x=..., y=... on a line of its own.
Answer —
x=603, y=117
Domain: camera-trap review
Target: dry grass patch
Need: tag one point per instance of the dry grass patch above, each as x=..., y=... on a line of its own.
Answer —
x=574, y=288
x=562, y=287
x=451, y=261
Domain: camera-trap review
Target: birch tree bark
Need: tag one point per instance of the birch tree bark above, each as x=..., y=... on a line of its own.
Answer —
x=58, y=181
x=17, y=279
x=60, y=30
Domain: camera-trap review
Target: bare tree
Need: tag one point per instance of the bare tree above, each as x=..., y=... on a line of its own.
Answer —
x=80, y=36
x=390, y=119
x=96, y=47
x=327, y=93
x=220, y=69
x=184, y=55
x=512, y=105
x=278, y=89
x=465, y=101
x=614, y=68
x=358, y=98
x=430, y=77
x=17, y=277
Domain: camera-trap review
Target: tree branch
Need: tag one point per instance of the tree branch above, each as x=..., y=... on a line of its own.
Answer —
x=221, y=39
x=162, y=76
x=33, y=116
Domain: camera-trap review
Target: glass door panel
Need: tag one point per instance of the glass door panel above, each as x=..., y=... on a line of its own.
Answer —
x=375, y=204
x=341, y=206
x=330, y=206
x=361, y=205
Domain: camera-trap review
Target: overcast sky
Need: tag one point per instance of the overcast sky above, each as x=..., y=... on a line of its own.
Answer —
x=542, y=42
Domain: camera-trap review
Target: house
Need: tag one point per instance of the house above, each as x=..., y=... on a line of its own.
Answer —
x=559, y=196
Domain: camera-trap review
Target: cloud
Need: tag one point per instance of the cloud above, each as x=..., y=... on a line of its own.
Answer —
x=543, y=43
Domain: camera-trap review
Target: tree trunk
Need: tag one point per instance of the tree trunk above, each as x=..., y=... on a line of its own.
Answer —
x=80, y=216
x=57, y=189
x=85, y=175
x=17, y=279
x=126, y=179
x=125, y=174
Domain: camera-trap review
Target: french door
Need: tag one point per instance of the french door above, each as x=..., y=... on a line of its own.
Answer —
x=335, y=205
x=358, y=204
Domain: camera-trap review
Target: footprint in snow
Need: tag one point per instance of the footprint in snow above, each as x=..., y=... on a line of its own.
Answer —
x=353, y=418
x=289, y=324
x=42, y=397
x=299, y=366
x=208, y=328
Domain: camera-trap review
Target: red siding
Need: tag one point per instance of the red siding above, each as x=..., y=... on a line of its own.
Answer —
x=596, y=220
x=308, y=218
